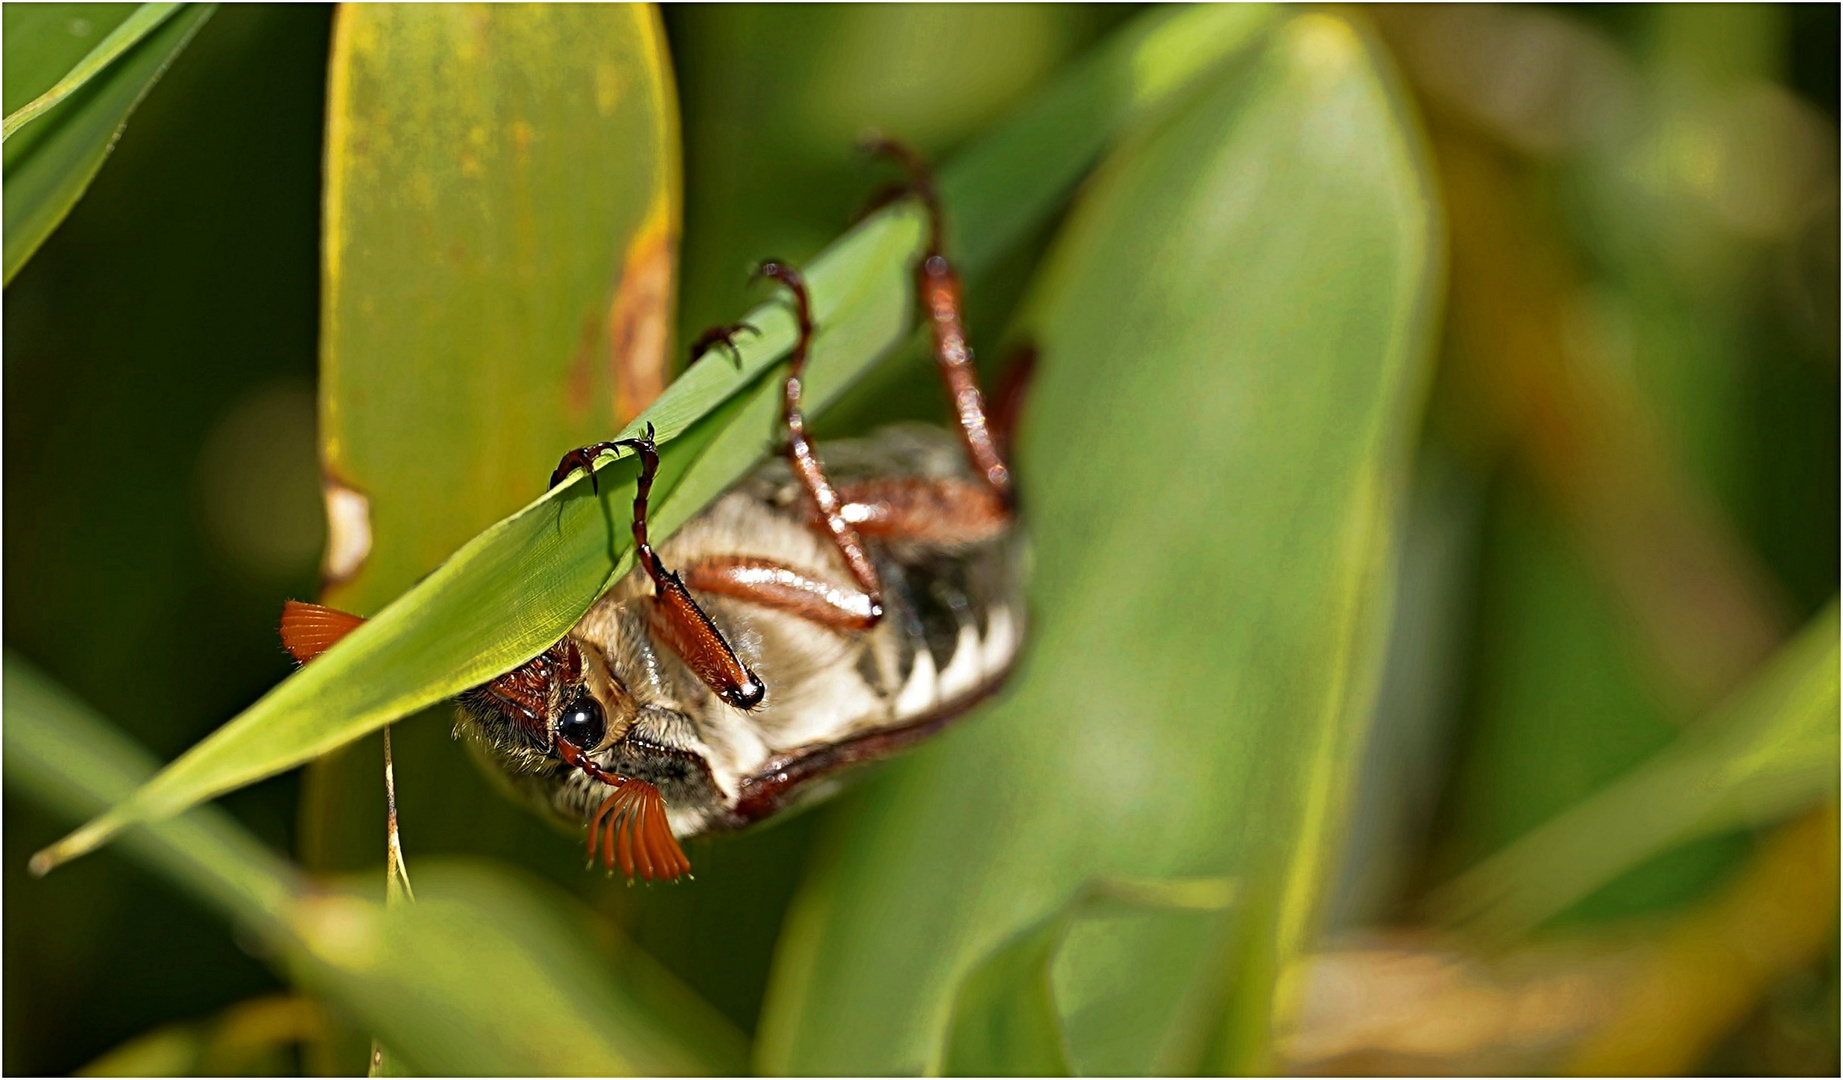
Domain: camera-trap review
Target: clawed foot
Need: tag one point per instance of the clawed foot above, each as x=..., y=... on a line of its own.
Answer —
x=583, y=457
x=722, y=337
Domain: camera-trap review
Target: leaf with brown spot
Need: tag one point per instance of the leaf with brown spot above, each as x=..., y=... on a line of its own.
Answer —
x=640, y=323
x=502, y=214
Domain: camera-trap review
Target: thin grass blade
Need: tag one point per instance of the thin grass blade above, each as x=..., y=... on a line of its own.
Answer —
x=49, y=164
x=1769, y=751
x=132, y=29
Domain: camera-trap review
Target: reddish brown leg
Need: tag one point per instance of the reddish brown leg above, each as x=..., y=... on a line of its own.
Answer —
x=674, y=616
x=717, y=337
x=782, y=588
x=938, y=286
x=805, y=461
x=941, y=511
x=931, y=509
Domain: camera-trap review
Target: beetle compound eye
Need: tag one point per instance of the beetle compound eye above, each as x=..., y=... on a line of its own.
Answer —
x=582, y=723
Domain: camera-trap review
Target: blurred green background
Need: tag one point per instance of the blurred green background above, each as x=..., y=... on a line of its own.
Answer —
x=1622, y=503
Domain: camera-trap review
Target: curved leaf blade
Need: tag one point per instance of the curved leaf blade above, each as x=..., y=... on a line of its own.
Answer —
x=1005, y=1020
x=40, y=43
x=491, y=974
x=63, y=756
x=1769, y=750
x=50, y=163
x=136, y=26
x=1234, y=331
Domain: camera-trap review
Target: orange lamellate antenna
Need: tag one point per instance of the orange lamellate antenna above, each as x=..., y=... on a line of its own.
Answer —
x=637, y=834
x=309, y=629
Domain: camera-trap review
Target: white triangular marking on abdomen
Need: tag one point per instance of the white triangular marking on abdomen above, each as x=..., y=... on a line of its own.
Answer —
x=1000, y=642
x=918, y=694
x=963, y=671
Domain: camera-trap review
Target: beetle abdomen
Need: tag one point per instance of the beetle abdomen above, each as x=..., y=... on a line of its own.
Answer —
x=952, y=626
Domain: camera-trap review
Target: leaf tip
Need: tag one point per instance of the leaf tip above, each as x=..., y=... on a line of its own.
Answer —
x=63, y=851
x=97, y=832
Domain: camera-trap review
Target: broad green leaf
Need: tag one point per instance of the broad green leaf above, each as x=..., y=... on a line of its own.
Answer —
x=517, y=587
x=1004, y=1020
x=50, y=162
x=1769, y=750
x=484, y=974
x=501, y=232
x=131, y=30
x=1234, y=330
x=478, y=320
x=774, y=99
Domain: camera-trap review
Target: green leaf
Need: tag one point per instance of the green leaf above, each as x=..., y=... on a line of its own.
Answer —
x=449, y=386
x=519, y=586
x=42, y=42
x=62, y=755
x=131, y=30
x=501, y=230
x=490, y=973
x=1234, y=329
x=486, y=973
x=250, y=1038
x=1768, y=751
x=50, y=162
x=1005, y=1020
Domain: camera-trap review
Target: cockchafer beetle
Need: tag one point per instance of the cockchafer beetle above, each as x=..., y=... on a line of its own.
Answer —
x=814, y=617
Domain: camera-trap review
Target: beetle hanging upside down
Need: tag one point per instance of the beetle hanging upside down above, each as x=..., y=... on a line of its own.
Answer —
x=812, y=618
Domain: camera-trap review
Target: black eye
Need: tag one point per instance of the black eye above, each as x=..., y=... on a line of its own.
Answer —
x=582, y=723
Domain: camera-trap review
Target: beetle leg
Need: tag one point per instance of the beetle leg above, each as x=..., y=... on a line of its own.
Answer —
x=583, y=457
x=931, y=510
x=675, y=617
x=780, y=587
x=938, y=286
x=805, y=461
x=723, y=337
x=935, y=510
